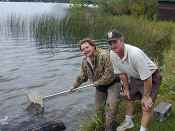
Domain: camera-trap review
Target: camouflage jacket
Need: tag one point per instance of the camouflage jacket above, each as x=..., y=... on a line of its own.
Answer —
x=101, y=74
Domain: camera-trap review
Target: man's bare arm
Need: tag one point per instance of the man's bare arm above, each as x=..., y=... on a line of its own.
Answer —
x=147, y=87
x=124, y=79
x=147, y=100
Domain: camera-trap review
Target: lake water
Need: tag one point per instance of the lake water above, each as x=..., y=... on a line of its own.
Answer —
x=27, y=65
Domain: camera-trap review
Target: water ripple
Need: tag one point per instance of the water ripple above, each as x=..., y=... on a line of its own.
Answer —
x=7, y=79
x=37, y=86
x=28, y=63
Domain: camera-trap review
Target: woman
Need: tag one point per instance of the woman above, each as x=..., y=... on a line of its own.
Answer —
x=97, y=68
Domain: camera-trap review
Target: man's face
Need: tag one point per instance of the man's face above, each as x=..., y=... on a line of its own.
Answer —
x=117, y=46
x=87, y=50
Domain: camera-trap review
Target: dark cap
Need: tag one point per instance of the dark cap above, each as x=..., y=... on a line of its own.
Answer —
x=113, y=35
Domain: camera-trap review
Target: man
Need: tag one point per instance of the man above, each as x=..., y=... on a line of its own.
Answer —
x=140, y=78
x=97, y=67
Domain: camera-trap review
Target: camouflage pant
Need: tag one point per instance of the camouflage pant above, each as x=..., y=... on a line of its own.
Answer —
x=107, y=101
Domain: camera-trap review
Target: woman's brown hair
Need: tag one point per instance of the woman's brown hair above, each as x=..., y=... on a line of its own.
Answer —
x=88, y=40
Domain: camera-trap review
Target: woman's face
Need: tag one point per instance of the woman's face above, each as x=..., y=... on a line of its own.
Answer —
x=87, y=50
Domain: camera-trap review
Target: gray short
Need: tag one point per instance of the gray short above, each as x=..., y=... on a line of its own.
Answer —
x=136, y=86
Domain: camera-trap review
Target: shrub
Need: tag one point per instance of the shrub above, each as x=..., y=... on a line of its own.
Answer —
x=114, y=7
x=145, y=8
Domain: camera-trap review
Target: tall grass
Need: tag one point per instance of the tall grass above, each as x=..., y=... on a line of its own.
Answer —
x=151, y=36
x=168, y=71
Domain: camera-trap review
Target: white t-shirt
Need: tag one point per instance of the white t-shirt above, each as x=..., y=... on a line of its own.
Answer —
x=135, y=63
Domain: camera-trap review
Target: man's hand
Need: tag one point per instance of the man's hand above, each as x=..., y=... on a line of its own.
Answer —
x=147, y=103
x=126, y=93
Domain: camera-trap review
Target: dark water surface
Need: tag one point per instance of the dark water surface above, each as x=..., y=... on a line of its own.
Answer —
x=25, y=65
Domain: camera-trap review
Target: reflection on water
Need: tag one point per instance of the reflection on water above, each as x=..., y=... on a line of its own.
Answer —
x=47, y=62
x=17, y=19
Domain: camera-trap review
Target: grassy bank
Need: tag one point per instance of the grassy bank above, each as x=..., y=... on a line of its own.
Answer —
x=94, y=124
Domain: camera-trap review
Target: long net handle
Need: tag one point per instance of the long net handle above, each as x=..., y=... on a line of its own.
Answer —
x=67, y=91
